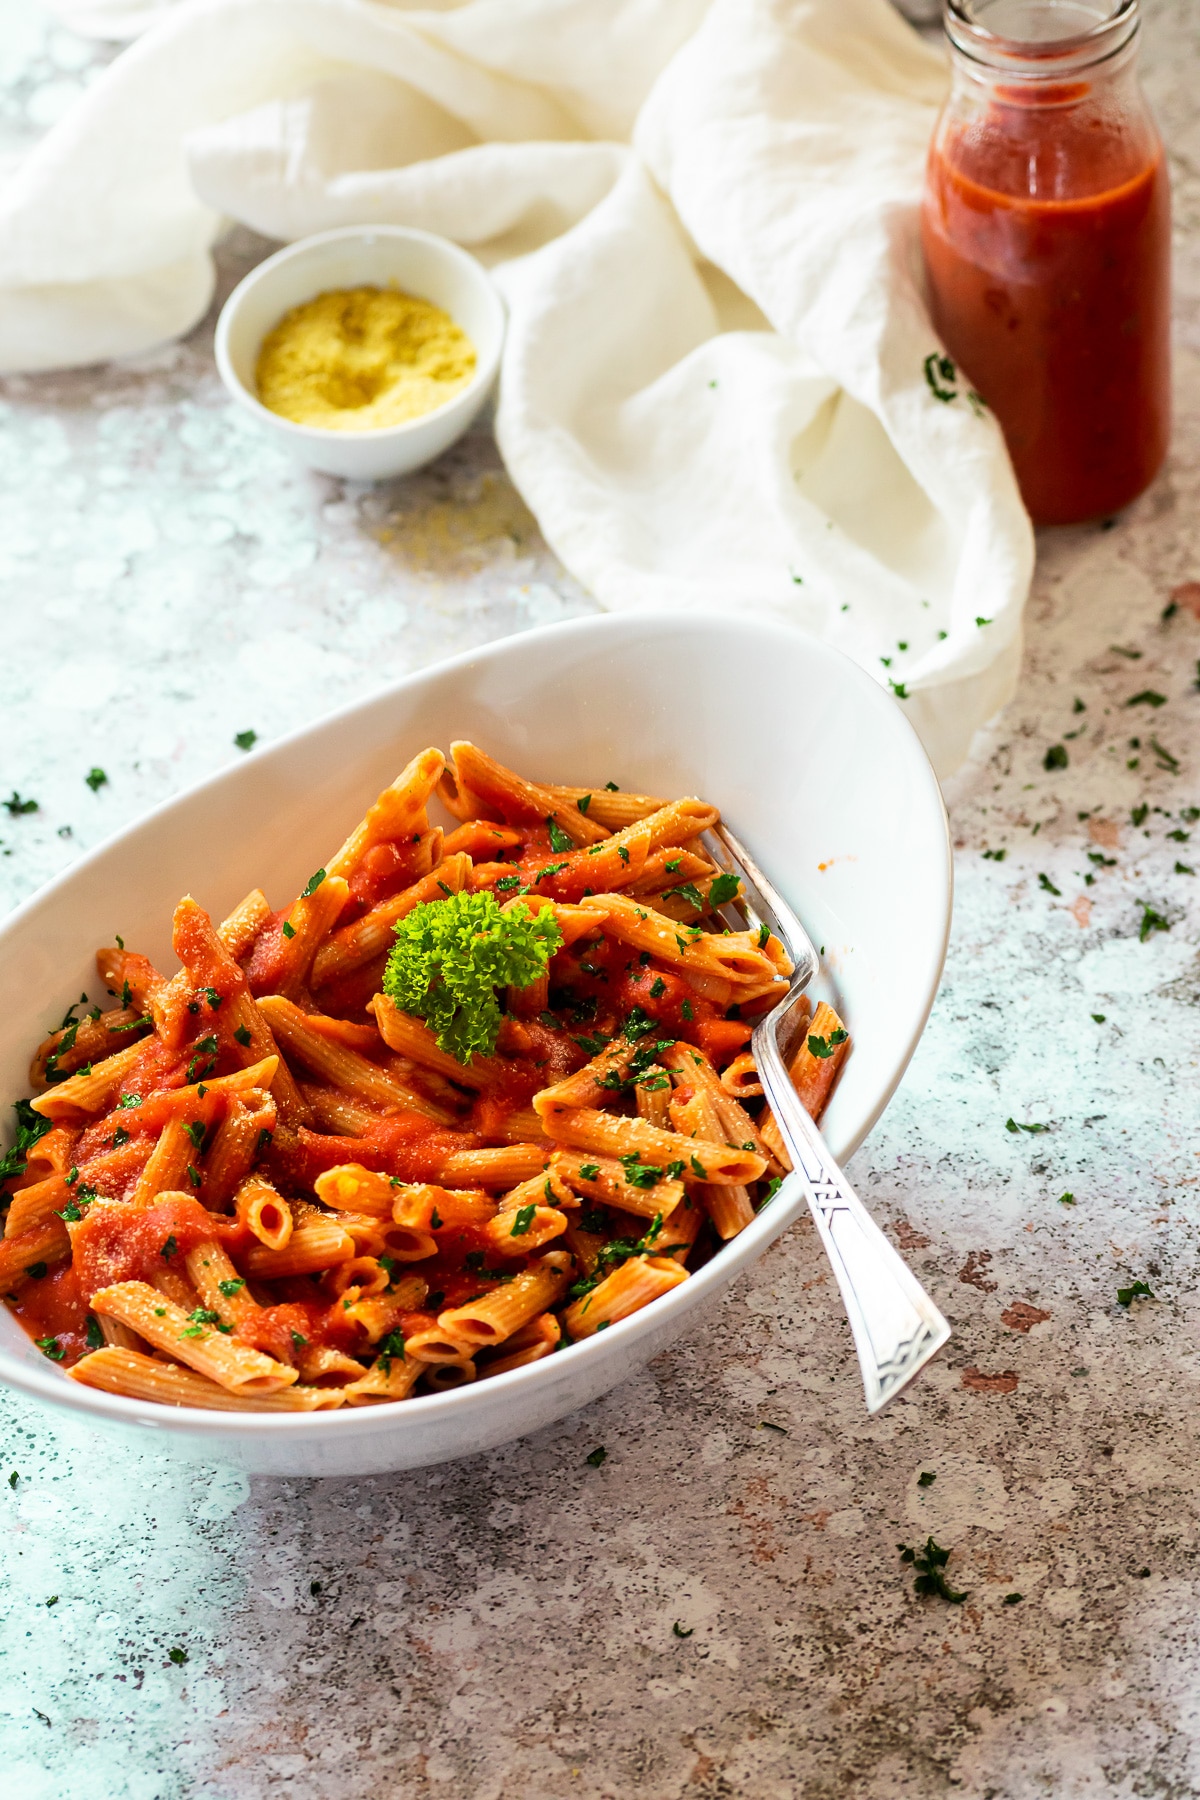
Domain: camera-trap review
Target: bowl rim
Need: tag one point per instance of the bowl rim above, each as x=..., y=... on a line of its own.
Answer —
x=481, y=380
x=787, y=1205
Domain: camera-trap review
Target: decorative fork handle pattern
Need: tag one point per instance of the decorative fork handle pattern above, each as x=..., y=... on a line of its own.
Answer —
x=896, y=1326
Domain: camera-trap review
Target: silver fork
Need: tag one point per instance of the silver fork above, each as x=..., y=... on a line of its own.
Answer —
x=896, y=1326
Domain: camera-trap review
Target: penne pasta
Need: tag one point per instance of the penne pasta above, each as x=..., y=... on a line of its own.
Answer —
x=521, y=1107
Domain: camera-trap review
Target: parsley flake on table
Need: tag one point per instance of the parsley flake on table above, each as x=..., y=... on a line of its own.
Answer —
x=1055, y=757
x=929, y=1566
x=1047, y=886
x=1012, y=1599
x=178, y=1656
x=926, y=1479
x=1067, y=1199
x=1014, y=1126
x=245, y=740
x=1151, y=921
x=596, y=1458
x=96, y=779
x=1137, y=1290
x=1147, y=697
x=14, y=806
x=678, y=1630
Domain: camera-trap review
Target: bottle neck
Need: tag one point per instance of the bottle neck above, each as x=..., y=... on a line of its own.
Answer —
x=1041, y=49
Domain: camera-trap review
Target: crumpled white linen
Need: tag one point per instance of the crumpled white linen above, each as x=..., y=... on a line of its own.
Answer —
x=702, y=216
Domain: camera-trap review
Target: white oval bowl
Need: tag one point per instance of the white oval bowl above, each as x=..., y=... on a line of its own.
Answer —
x=810, y=761
x=417, y=262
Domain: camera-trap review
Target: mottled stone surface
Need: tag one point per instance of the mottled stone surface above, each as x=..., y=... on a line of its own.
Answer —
x=505, y=1627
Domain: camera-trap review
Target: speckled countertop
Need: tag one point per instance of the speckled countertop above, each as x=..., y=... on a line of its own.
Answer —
x=504, y=1626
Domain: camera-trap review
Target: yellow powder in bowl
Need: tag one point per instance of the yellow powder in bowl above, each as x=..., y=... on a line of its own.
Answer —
x=355, y=359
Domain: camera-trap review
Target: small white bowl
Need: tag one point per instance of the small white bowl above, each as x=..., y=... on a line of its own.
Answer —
x=813, y=764
x=416, y=262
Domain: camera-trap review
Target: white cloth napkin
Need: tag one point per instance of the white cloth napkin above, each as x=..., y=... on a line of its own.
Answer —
x=702, y=215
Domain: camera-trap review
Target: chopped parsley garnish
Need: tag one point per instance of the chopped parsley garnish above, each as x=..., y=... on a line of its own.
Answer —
x=298, y=1338
x=658, y=988
x=596, y=1458
x=130, y=1100
x=1136, y=1291
x=265, y=1136
x=589, y=1171
x=435, y=1220
x=233, y=1286
x=550, y=869
x=245, y=740
x=95, y=1336
x=242, y=1036
x=96, y=779
x=764, y=936
x=211, y=995
x=699, y=1169
x=451, y=956
x=652, y=1083
x=929, y=1565
x=169, y=1248
x=559, y=839
x=194, y=1175
x=723, y=888
x=134, y=1024
x=390, y=1346
x=637, y=1173
x=584, y=801
x=507, y=882
x=203, y=1053
x=593, y=1042
x=773, y=1187
x=37, y=1270
x=312, y=884
x=825, y=1047
x=623, y=853
x=196, y=1132
x=687, y=1010
x=204, y=1315
x=523, y=1220
x=288, y=929
x=688, y=891
x=50, y=1346
x=31, y=1128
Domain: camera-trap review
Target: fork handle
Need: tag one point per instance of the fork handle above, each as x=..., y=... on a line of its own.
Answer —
x=896, y=1326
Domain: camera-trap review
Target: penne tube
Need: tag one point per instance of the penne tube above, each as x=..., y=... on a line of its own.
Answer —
x=48, y=1242
x=35, y=1206
x=166, y=1171
x=310, y=918
x=516, y=799
x=392, y=1378
x=667, y=869
x=585, y=1129
x=732, y=959
x=352, y=946
x=517, y=1360
x=118, y=969
x=544, y=1329
x=728, y=1207
x=603, y=1178
x=398, y=813
x=91, y=1093
x=113, y=1332
x=220, y=1287
x=495, y=1316
x=482, y=840
x=168, y=1327
x=263, y=1211
x=443, y=1378
x=608, y=807
x=740, y=1078
x=680, y=1230
x=337, y=1112
x=594, y=1084
x=431, y=1344
x=413, y=1038
x=121, y=1371
x=352, y=1188
x=812, y=1075
x=236, y=1144
x=625, y=1291
x=364, y=1273
x=86, y=1041
x=500, y=1167
x=732, y=1121
x=345, y=1068
x=53, y=1154
x=316, y=1244
x=652, y=1094
x=238, y=932
x=422, y=1206
x=176, y=1287
x=772, y=1137
x=256, y=1043
x=189, y=1102
x=321, y=1362
x=523, y=1229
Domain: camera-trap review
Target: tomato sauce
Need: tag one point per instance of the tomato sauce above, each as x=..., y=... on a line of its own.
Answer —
x=1046, y=235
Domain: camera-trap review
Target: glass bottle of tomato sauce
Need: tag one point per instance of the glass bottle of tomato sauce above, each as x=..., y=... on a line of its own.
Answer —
x=1046, y=230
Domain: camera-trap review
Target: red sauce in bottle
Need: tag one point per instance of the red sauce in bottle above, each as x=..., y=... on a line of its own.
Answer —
x=1046, y=235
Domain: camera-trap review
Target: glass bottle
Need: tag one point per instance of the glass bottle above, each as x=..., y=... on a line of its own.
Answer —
x=1046, y=228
